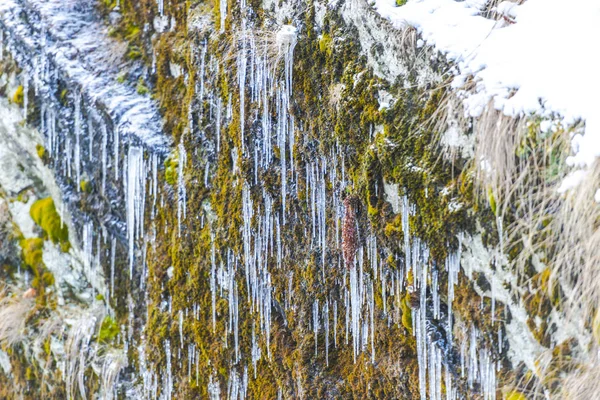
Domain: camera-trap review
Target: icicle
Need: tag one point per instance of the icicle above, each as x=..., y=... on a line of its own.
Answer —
x=316, y=323
x=326, y=325
x=335, y=323
x=255, y=350
x=168, y=378
x=113, y=250
x=219, y=107
x=116, y=151
x=372, y=314
x=202, y=67
x=213, y=284
x=25, y=94
x=435, y=294
x=223, y=12
x=135, y=190
x=104, y=156
x=181, y=191
x=355, y=304
x=78, y=140
x=406, y=230
x=88, y=230
x=242, y=65
x=236, y=322
x=181, y=329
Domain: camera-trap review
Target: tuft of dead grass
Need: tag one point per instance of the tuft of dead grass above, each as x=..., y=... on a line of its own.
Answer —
x=14, y=312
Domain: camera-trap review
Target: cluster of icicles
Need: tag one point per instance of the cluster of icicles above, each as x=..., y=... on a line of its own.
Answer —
x=262, y=242
x=269, y=92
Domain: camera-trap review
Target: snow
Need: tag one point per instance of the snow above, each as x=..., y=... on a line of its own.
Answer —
x=538, y=58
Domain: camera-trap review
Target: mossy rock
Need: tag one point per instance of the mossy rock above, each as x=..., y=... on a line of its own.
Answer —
x=43, y=212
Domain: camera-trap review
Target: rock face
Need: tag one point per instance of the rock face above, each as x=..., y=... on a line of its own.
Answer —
x=263, y=200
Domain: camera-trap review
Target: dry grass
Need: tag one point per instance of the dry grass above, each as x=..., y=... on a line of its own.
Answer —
x=260, y=43
x=408, y=40
x=14, y=311
x=112, y=364
x=582, y=383
x=7, y=240
x=79, y=352
x=576, y=259
x=519, y=169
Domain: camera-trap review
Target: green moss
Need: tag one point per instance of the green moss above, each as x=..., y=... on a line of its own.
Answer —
x=122, y=77
x=492, y=201
x=85, y=186
x=514, y=395
x=31, y=252
x=47, y=347
x=406, y=313
x=41, y=151
x=400, y=3
x=44, y=213
x=326, y=44
x=132, y=33
x=141, y=87
x=18, y=97
x=108, y=330
x=171, y=166
x=63, y=96
x=48, y=278
x=134, y=53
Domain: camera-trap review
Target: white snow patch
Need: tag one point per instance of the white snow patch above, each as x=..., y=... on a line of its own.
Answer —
x=392, y=196
x=175, y=69
x=386, y=100
x=541, y=58
x=286, y=36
